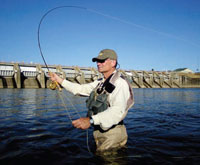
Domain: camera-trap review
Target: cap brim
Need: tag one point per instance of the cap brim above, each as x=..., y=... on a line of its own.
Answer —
x=94, y=59
x=98, y=60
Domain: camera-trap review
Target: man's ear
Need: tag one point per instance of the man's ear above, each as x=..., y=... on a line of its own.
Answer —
x=114, y=63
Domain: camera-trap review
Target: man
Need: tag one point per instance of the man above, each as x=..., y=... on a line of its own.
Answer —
x=108, y=102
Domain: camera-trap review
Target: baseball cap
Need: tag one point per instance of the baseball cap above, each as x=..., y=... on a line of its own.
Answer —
x=105, y=54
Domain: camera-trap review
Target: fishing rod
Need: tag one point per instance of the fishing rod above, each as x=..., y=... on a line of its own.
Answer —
x=53, y=85
x=39, y=26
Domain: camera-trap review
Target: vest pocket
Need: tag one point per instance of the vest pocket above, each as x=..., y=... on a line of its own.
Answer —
x=96, y=104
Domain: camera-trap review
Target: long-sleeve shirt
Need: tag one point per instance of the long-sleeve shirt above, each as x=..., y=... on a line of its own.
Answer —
x=118, y=101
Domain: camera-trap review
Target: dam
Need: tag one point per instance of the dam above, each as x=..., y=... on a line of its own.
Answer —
x=21, y=75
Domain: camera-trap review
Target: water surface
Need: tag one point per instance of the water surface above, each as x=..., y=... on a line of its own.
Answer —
x=35, y=127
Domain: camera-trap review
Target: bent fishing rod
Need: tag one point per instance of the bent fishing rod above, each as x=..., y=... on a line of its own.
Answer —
x=55, y=84
x=39, y=26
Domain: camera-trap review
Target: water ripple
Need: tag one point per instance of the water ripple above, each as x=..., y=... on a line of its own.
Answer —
x=163, y=128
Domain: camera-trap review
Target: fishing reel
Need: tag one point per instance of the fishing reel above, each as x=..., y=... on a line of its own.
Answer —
x=54, y=85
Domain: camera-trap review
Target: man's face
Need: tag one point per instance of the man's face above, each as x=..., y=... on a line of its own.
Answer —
x=105, y=65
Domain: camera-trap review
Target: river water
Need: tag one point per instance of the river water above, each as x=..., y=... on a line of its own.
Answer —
x=35, y=127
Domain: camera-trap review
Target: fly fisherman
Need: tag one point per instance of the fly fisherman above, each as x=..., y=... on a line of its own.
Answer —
x=109, y=99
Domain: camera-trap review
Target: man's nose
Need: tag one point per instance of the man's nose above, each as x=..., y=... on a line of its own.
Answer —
x=98, y=63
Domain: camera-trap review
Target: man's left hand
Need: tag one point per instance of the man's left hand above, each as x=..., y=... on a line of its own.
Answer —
x=82, y=123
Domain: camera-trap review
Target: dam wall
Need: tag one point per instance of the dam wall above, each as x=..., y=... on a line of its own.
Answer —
x=20, y=75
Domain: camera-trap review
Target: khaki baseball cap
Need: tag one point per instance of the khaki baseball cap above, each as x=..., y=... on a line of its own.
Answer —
x=105, y=54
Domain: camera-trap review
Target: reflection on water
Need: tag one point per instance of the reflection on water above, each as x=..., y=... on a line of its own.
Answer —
x=163, y=128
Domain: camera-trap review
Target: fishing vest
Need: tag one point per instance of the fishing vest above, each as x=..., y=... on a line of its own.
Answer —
x=98, y=99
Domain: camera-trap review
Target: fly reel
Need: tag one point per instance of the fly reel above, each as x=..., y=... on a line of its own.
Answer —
x=53, y=85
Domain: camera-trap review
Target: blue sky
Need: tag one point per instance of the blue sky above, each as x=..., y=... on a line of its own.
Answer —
x=146, y=34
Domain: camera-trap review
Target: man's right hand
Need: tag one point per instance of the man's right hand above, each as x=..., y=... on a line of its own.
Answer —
x=55, y=77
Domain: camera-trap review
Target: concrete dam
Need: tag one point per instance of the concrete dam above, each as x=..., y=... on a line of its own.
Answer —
x=20, y=75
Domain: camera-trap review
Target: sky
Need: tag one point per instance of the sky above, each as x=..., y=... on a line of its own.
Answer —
x=146, y=34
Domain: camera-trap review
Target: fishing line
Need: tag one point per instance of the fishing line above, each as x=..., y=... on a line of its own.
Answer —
x=73, y=107
x=63, y=102
x=144, y=27
x=41, y=53
x=87, y=134
x=69, y=116
x=111, y=17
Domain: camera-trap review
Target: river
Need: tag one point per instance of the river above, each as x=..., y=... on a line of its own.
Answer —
x=35, y=127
